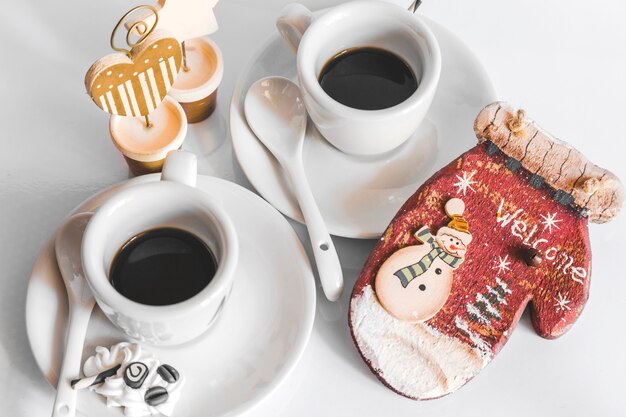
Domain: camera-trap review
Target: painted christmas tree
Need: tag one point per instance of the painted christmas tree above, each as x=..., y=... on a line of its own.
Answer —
x=487, y=305
x=481, y=315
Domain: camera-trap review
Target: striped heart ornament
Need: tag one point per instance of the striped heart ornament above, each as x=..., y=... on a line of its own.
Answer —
x=135, y=84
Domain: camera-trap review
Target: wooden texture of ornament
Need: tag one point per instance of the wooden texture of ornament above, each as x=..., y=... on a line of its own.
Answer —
x=509, y=219
x=185, y=19
x=593, y=189
x=135, y=85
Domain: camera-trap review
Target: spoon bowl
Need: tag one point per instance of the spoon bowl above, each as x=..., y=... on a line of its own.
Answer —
x=277, y=116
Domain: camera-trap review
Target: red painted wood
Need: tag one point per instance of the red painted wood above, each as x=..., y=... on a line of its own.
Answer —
x=557, y=289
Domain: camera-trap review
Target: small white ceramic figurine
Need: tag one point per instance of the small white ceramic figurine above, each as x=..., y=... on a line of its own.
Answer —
x=131, y=377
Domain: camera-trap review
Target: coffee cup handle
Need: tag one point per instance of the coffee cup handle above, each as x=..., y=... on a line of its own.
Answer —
x=181, y=167
x=293, y=21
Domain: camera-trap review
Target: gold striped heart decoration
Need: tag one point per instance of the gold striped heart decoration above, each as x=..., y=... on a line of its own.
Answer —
x=135, y=84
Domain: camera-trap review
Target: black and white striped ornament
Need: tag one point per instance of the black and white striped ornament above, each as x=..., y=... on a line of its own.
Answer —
x=86, y=382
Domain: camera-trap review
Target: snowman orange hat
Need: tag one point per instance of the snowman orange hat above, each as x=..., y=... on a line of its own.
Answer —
x=455, y=237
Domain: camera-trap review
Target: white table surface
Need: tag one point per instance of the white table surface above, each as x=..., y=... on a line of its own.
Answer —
x=564, y=61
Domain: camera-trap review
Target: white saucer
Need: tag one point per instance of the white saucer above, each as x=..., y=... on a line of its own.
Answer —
x=358, y=196
x=253, y=347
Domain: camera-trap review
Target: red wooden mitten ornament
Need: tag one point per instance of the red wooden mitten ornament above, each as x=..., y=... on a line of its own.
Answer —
x=430, y=310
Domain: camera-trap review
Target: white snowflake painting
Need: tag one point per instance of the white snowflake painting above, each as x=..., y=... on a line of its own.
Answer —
x=550, y=221
x=502, y=264
x=561, y=304
x=465, y=182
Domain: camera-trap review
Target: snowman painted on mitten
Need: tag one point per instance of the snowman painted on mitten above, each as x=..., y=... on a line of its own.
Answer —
x=414, y=283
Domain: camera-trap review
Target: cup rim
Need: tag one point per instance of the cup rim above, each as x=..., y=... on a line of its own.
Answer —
x=98, y=277
x=309, y=80
x=204, y=90
x=159, y=153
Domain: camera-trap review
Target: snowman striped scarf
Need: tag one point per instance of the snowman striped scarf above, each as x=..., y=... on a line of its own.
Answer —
x=409, y=273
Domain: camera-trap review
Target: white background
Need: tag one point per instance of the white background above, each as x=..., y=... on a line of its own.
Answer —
x=564, y=61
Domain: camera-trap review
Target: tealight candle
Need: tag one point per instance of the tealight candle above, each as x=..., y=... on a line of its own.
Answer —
x=196, y=85
x=145, y=147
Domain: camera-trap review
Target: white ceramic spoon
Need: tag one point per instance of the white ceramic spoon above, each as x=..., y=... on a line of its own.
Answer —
x=81, y=302
x=276, y=114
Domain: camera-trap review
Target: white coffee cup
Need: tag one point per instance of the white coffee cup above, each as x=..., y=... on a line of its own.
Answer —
x=362, y=23
x=171, y=202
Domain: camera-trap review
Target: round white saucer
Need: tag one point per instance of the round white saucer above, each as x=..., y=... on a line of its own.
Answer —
x=359, y=196
x=251, y=349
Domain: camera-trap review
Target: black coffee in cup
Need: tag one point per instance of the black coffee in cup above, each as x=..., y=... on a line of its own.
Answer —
x=162, y=266
x=367, y=78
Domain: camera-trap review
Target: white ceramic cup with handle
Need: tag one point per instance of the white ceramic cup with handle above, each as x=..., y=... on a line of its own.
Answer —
x=172, y=202
x=363, y=23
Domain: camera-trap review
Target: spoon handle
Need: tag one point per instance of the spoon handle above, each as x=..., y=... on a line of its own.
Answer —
x=65, y=400
x=328, y=266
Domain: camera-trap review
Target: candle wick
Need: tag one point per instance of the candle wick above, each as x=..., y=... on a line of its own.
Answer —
x=185, y=67
x=148, y=123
